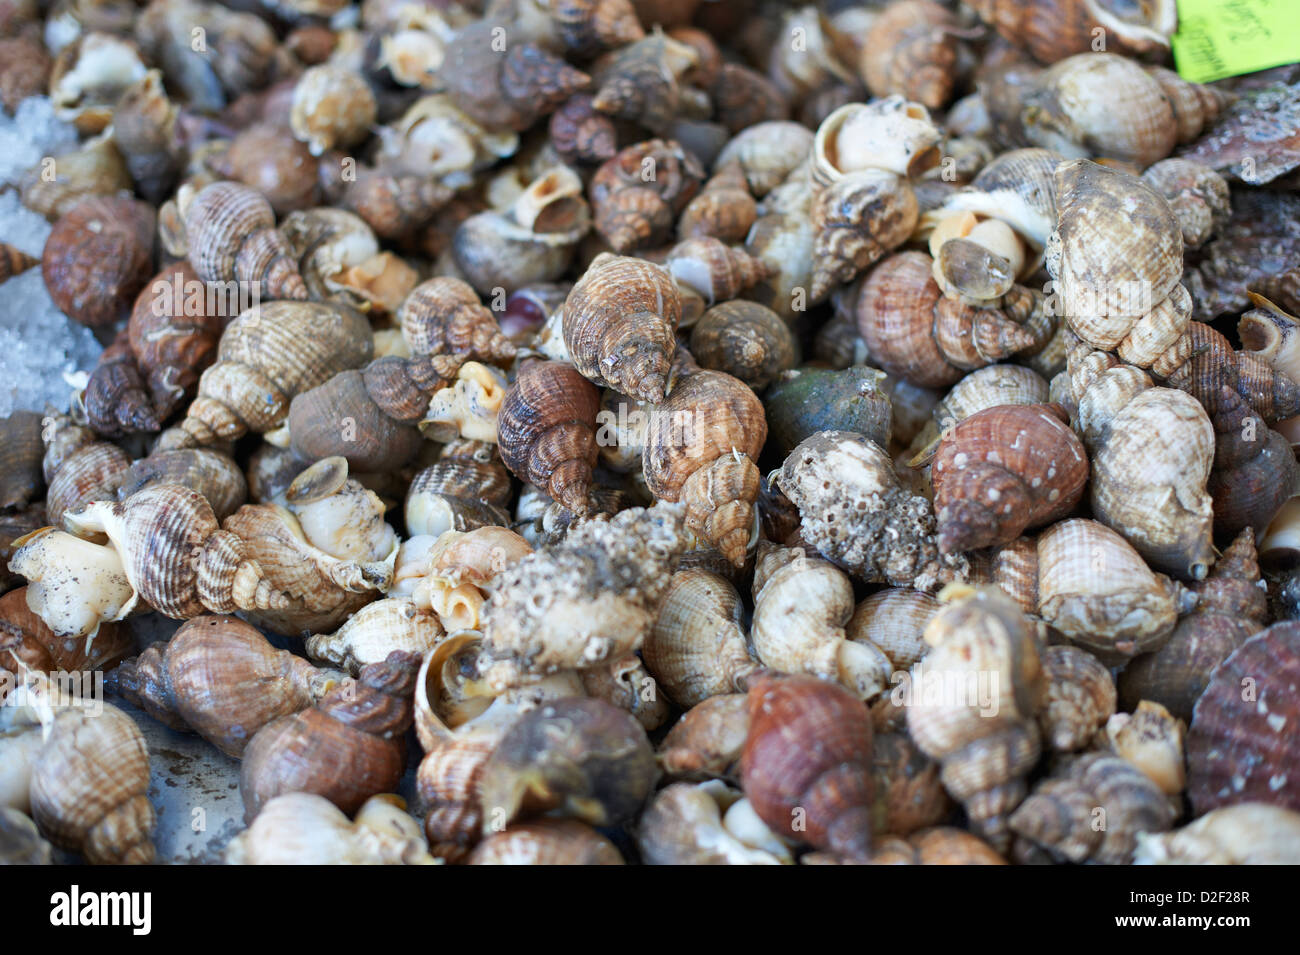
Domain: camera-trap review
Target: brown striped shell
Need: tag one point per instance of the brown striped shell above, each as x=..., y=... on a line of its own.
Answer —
x=231, y=235
x=701, y=448
x=619, y=322
x=546, y=430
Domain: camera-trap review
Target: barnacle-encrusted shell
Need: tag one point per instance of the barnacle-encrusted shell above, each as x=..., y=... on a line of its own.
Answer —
x=1242, y=745
x=855, y=512
x=586, y=600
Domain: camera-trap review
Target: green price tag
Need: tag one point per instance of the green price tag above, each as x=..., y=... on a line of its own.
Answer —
x=1218, y=38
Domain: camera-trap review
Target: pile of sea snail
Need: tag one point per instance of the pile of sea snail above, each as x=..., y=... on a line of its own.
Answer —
x=678, y=432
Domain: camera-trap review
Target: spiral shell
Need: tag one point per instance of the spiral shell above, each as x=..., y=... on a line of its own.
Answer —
x=1093, y=811
x=508, y=91
x=21, y=453
x=267, y=355
x=700, y=449
x=696, y=649
x=986, y=740
x=1052, y=29
x=939, y=846
x=1003, y=470
x=546, y=430
x=346, y=748
x=807, y=763
x=97, y=257
x=26, y=643
x=723, y=209
x=637, y=195
x=1197, y=195
x=231, y=235
x=329, y=550
x=89, y=787
x=444, y=316
x=912, y=49
x=219, y=677
x=1238, y=747
x=1231, y=606
x=801, y=608
x=745, y=340
x=1080, y=698
x=373, y=632
x=642, y=82
x=768, y=152
x=467, y=487
x=619, y=321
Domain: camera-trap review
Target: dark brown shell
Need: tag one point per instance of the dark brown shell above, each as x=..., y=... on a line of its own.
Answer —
x=1003, y=470
x=174, y=334
x=1255, y=471
x=546, y=430
x=908, y=794
x=25, y=71
x=724, y=209
x=746, y=340
x=507, y=89
x=97, y=257
x=1242, y=745
x=581, y=758
x=1231, y=607
x=347, y=748
x=637, y=195
x=807, y=765
x=581, y=133
x=115, y=398
x=1210, y=364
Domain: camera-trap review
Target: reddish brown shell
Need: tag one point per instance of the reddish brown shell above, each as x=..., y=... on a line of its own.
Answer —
x=581, y=133
x=97, y=257
x=896, y=290
x=1242, y=745
x=807, y=764
x=546, y=430
x=268, y=158
x=912, y=49
x=25, y=641
x=347, y=748
x=1004, y=470
x=174, y=331
x=115, y=398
